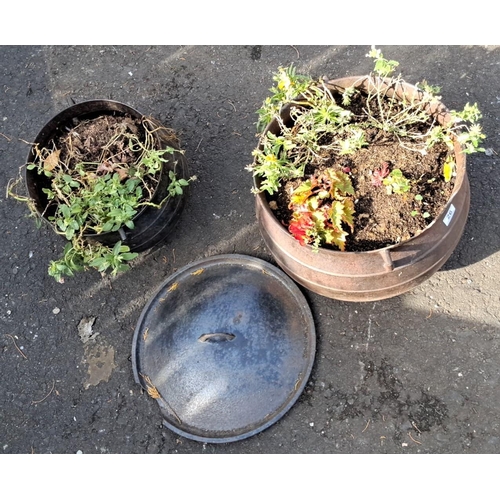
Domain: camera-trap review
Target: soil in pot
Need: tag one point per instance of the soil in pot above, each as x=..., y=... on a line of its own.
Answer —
x=102, y=144
x=88, y=139
x=381, y=219
x=360, y=164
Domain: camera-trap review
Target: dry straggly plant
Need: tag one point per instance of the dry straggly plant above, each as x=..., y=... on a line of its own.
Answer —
x=321, y=122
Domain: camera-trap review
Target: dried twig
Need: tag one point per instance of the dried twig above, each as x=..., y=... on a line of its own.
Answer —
x=15, y=345
x=366, y=426
x=414, y=440
x=296, y=50
x=151, y=389
x=416, y=428
x=43, y=399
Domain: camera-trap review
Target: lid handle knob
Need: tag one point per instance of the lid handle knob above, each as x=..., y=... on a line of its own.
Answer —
x=216, y=337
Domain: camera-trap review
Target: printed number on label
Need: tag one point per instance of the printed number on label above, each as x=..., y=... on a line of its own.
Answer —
x=449, y=215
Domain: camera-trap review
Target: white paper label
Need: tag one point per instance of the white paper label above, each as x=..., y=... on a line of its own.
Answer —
x=449, y=215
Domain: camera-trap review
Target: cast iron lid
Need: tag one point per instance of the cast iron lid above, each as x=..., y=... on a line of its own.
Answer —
x=225, y=346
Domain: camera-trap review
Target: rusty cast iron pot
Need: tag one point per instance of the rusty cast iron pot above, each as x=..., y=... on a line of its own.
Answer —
x=377, y=274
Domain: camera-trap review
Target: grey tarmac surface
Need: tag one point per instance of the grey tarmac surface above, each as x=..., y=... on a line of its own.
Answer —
x=416, y=374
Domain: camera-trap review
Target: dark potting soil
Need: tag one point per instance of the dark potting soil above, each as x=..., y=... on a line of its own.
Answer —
x=382, y=219
x=102, y=139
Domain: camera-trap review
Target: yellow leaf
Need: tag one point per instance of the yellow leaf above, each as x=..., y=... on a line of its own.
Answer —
x=448, y=169
x=334, y=237
x=301, y=194
x=342, y=211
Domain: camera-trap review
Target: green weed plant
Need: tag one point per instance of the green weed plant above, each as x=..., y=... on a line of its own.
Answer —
x=103, y=196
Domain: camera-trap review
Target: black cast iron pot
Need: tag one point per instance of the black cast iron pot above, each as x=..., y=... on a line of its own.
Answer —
x=151, y=225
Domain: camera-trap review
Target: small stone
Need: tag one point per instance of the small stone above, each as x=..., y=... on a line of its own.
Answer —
x=56, y=310
x=85, y=329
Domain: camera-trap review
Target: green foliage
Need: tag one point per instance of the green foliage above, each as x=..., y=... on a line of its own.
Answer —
x=316, y=116
x=115, y=259
x=383, y=67
x=323, y=124
x=419, y=200
x=77, y=256
x=396, y=182
x=288, y=86
x=95, y=198
x=463, y=127
x=176, y=186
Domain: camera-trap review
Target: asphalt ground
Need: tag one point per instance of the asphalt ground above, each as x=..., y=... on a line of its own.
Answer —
x=415, y=374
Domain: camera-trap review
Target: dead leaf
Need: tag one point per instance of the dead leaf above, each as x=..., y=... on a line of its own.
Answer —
x=104, y=167
x=123, y=173
x=51, y=162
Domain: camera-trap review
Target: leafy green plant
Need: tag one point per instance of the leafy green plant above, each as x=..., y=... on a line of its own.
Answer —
x=77, y=256
x=396, y=182
x=315, y=118
x=288, y=86
x=393, y=180
x=86, y=198
x=419, y=200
